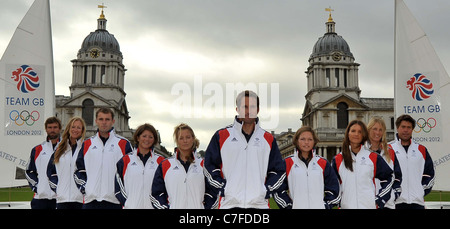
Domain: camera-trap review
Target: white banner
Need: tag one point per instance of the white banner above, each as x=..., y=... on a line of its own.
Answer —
x=421, y=90
x=27, y=92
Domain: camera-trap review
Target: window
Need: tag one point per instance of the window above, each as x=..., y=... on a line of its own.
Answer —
x=342, y=115
x=102, y=75
x=392, y=123
x=88, y=112
x=336, y=74
x=345, y=78
x=85, y=74
x=327, y=77
x=94, y=71
x=118, y=76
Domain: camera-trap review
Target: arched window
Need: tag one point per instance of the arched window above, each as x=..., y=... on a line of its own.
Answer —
x=342, y=115
x=88, y=112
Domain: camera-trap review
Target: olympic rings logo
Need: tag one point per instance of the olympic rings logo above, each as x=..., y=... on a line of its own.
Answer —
x=425, y=125
x=24, y=117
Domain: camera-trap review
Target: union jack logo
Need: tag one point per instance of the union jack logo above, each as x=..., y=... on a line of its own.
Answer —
x=421, y=87
x=26, y=78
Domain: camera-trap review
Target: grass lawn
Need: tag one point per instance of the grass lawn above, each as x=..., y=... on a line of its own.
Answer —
x=438, y=196
x=16, y=194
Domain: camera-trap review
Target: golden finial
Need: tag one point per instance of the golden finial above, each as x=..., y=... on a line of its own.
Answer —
x=330, y=19
x=102, y=6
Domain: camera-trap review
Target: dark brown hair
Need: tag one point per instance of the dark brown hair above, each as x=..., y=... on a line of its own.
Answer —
x=406, y=118
x=300, y=132
x=52, y=120
x=347, y=155
x=141, y=130
x=105, y=110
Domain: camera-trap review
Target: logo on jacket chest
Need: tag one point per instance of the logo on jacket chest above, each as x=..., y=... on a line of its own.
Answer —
x=257, y=142
x=195, y=169
x=413, y=153
x=363, y=161
x=311, y=166
x=152, y=164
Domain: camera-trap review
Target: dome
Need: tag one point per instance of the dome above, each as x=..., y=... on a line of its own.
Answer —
x=102, y=39
x=331, y=42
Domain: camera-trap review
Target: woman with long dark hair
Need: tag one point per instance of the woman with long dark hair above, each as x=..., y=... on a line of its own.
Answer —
x=357, y=169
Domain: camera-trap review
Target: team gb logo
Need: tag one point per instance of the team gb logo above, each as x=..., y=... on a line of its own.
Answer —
x=421, y=87
x=26, y=78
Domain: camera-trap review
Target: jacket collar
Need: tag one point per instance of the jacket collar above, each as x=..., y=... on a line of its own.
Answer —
x=112, y=131
x=238, y=124
x=194, y=153
x=399, y=141
x=136, y=151
x=48, y=140
x=362, y=151
x=297, y=154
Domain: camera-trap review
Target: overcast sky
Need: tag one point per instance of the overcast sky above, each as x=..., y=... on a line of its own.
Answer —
x=213, y=46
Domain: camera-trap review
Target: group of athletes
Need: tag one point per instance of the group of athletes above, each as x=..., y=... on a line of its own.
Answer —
x=242, y=167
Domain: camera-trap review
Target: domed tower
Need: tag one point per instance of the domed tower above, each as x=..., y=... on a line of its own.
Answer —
x=333, y=97
x=99, y=64
x=98, y=79
x=332, y=69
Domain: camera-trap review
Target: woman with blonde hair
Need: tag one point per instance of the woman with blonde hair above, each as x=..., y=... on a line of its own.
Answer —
x=311, y=180
x=179, y=182
x=377, y=143
x=62, y=166
x=357, y=169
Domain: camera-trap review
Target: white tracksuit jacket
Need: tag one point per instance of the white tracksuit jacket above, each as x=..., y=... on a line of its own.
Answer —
x=60, y=176
x=417, y=171
x=245, y=174
x=36, y=172
x=175, y=188
x=395, y=166
x=312, y=186
x=133, y=182
x=96, y=166
x=358, y=189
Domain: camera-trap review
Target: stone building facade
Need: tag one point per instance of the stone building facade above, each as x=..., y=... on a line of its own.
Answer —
x=333, y=97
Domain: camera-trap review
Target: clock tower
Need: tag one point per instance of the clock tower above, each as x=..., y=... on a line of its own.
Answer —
x=333, y=97
x=332, y=68
x=97, y=81
x=99, y=66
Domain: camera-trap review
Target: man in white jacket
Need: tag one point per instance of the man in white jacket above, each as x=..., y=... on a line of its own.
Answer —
x=96, y=163
x=416, y=165
x=36, y=173
x=243, y=163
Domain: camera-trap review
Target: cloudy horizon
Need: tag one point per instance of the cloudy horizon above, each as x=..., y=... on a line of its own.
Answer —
x=211, y=46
